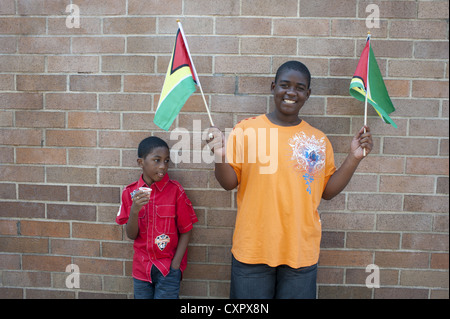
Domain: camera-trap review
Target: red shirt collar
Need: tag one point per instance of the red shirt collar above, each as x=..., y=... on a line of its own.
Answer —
x=160, y=185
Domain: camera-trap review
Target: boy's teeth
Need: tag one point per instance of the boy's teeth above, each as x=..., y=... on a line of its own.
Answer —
x=289, y=101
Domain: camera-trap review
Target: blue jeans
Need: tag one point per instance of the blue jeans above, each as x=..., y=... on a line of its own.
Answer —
x=161, y=287
x=261, y=281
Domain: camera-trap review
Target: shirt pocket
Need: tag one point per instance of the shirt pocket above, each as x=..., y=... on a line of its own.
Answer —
x=165, y=219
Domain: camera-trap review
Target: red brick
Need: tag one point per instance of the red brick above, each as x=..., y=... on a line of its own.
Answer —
x=95, y=83
x=27, y=174
x=407, y=184
x=424, y=242
x=71, y=138
x=243, y=26
x=401, y=259
x=34, y=119
x=8, y=227
x=71, y=212
x=155, y=7
x=24, y=245
x=374, y=202
x=29, y=137
x=43, y=192
x=432, y=204
x=73, y=64
x=45, y=263
x=323, y=8
x=27, y=279
x=71, y=101
x=93, y=120
x=44, y=45
x=41, y=82
x=301, y=27
x=110, y=7
x=21, y=100
x=133, y=25
x=22, y=25
x=96, y=231
x=22, y=63
x=41, y=7
x=418, y=29
x=433, y=10
x=128, y=64
x=424, y=278
x=214, y=7
x=345, y=258
x=74, y=247
x=71, y=175
x=84, y=45
x=99, y=266
x=96, y=157
x=265, y=46
x=40, y=156
x=95, y=194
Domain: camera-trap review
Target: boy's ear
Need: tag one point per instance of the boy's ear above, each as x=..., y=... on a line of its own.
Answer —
x=309, y=93
x=140, y=162
x=272, y=87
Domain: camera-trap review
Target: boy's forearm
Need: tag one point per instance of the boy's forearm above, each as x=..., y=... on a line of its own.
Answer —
x=183, y=242
x=339, y=180
x=132, y=227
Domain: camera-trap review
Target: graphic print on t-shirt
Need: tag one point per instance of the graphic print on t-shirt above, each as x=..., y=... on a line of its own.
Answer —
x=309, y=154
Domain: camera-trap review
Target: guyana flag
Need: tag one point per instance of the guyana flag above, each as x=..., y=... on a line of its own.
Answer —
x=180, y=83
x=367, y=82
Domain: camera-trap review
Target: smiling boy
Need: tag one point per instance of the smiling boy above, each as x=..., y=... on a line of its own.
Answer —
x=159, y=218
x=276, y=242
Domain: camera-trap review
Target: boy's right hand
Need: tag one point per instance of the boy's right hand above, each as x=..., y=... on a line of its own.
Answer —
x=140, y=199
x=217, y=144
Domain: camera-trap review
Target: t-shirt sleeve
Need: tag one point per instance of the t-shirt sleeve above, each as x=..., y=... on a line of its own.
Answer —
x=124, y=209
x=185, y=213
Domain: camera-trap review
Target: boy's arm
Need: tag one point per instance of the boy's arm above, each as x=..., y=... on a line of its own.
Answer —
x=139, y=200
x=183, y=242
x=225, y=174
x=342, y=176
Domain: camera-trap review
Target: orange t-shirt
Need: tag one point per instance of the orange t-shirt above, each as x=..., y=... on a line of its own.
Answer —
x=282, y=172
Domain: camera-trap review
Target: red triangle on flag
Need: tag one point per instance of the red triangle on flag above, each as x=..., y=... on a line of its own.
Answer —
x=180, y=56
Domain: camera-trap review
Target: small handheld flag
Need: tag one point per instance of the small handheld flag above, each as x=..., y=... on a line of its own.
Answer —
x=367, y=85
x=179, y=84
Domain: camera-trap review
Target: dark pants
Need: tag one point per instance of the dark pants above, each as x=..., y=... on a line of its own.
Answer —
x=161, y=287
x=261, y=281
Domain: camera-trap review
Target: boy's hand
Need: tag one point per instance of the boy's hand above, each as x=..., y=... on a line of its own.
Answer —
x=140, y=199
x=216, y=143
x=362, y=140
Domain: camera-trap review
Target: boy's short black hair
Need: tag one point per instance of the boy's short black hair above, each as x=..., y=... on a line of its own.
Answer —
x=294, y=65
x=147, y=145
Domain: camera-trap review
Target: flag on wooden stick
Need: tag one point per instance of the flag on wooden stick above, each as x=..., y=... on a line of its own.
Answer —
x=367, y=85
x=180, y=82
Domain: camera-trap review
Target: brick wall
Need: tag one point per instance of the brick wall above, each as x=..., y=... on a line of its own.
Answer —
x=75, y=102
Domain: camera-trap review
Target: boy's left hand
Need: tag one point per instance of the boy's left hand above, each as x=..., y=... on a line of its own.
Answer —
x=360, y=142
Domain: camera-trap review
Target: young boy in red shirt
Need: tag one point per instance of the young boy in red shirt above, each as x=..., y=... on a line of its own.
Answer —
x=159, y=218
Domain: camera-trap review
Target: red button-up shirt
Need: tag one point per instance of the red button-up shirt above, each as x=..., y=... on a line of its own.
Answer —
x=168, y=214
